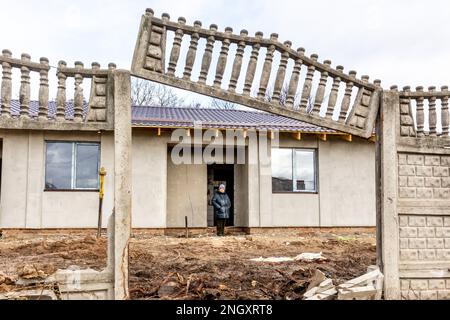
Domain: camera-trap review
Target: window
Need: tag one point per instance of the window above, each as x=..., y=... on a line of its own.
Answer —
x=72, y=166
x=294, y=170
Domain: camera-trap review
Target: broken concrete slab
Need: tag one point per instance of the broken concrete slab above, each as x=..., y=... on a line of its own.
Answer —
x=38, y=294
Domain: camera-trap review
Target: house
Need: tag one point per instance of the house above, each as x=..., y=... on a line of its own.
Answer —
x=284, y=173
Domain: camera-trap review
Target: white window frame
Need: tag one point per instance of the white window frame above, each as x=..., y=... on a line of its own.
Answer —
x=316, y=171
x=73, y=181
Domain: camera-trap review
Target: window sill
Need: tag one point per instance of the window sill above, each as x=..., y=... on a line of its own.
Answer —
x=71, y=190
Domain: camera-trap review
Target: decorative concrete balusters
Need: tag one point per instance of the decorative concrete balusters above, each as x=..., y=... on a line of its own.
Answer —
x=61, y=93
x=269, y=93
x=306, y=102
x=223, y=57
x=175, y=53
x=207, y=55
x=347, y=98
x=406, y=120
x=281, y=75
x=78, y=99
x=332, y=100
x=192, y=52
x=252, y=64
x=320, y=94
x=6, y=90
x=237, y=65
x=43, y=90
x=432, y=118
x=420, y=112
x=295, y=78
x=444, y=111
x=24, y=93
x=267, y=68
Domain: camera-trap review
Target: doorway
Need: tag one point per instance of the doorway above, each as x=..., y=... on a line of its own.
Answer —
x=220, y=174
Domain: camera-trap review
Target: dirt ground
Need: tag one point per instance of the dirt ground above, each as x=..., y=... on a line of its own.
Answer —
x=204, y=267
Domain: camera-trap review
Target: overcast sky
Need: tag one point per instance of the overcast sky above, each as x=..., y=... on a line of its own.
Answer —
x=401, y=42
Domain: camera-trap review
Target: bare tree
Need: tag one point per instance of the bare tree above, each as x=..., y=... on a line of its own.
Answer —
x=147, y=93
x=222, y=104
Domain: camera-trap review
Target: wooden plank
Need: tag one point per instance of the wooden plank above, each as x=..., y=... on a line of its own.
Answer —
x=297, y=136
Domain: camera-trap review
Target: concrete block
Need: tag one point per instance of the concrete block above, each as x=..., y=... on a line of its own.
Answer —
x=420, y=285
x=404, y=244
x=432, y=160
x=428, y=295
x=418, y=243
x=435, y=243
x=427, y=254
x=417, y=221
x=436, y=284
x=444, y=295
x=404, y=284
x=405, y=170
x=415, y=159
x=403, y=181
x=402, y=159
x=445, y=161
x=416, y=182
x=410, y=295
x=425, y=232
x=447, y=283
x=424, y=171
x=447, y=222
x=407, y=232
x=443, y=232
x=447, y=243
x=441, y=193
x=407, y=193
x=445, y=182
x=440, y=171
x=443, y=254
x=435, y=221
x=403, y=221
x=433, y=182
x=409, y=255
x=424, y=193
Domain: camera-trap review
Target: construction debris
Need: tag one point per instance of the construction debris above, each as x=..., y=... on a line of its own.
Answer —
x=203, y=267
x=304, y=257
x=366, y=287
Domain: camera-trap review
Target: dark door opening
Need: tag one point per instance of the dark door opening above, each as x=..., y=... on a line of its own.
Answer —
x=220, y=174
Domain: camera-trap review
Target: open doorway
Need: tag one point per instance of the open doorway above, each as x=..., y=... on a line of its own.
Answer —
x=220, y=174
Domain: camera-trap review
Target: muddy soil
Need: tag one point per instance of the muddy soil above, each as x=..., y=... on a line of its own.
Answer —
x=204, y=267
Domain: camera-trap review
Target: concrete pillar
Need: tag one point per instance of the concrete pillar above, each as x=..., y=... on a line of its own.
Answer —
x=35, y=177
x=122, y=180
x=389, y=194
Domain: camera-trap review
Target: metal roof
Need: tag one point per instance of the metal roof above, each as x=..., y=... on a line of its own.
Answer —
x=171, y=117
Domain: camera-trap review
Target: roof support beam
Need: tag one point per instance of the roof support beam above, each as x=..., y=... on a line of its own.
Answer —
x=373, y=138
x=323, y=136
x=159, y=132
x=347, y=137
x=244, y=134
x=297, y=136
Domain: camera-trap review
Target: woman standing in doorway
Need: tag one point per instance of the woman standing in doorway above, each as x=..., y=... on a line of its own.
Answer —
x=222, y=205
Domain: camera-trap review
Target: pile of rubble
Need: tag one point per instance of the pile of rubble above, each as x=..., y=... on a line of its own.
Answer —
x=366, y=287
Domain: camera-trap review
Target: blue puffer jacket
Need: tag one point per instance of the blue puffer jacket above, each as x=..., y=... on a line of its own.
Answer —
x=222, y=205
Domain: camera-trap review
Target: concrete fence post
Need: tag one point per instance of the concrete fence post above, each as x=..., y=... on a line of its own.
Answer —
x=122, y=181
x=387, y=222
